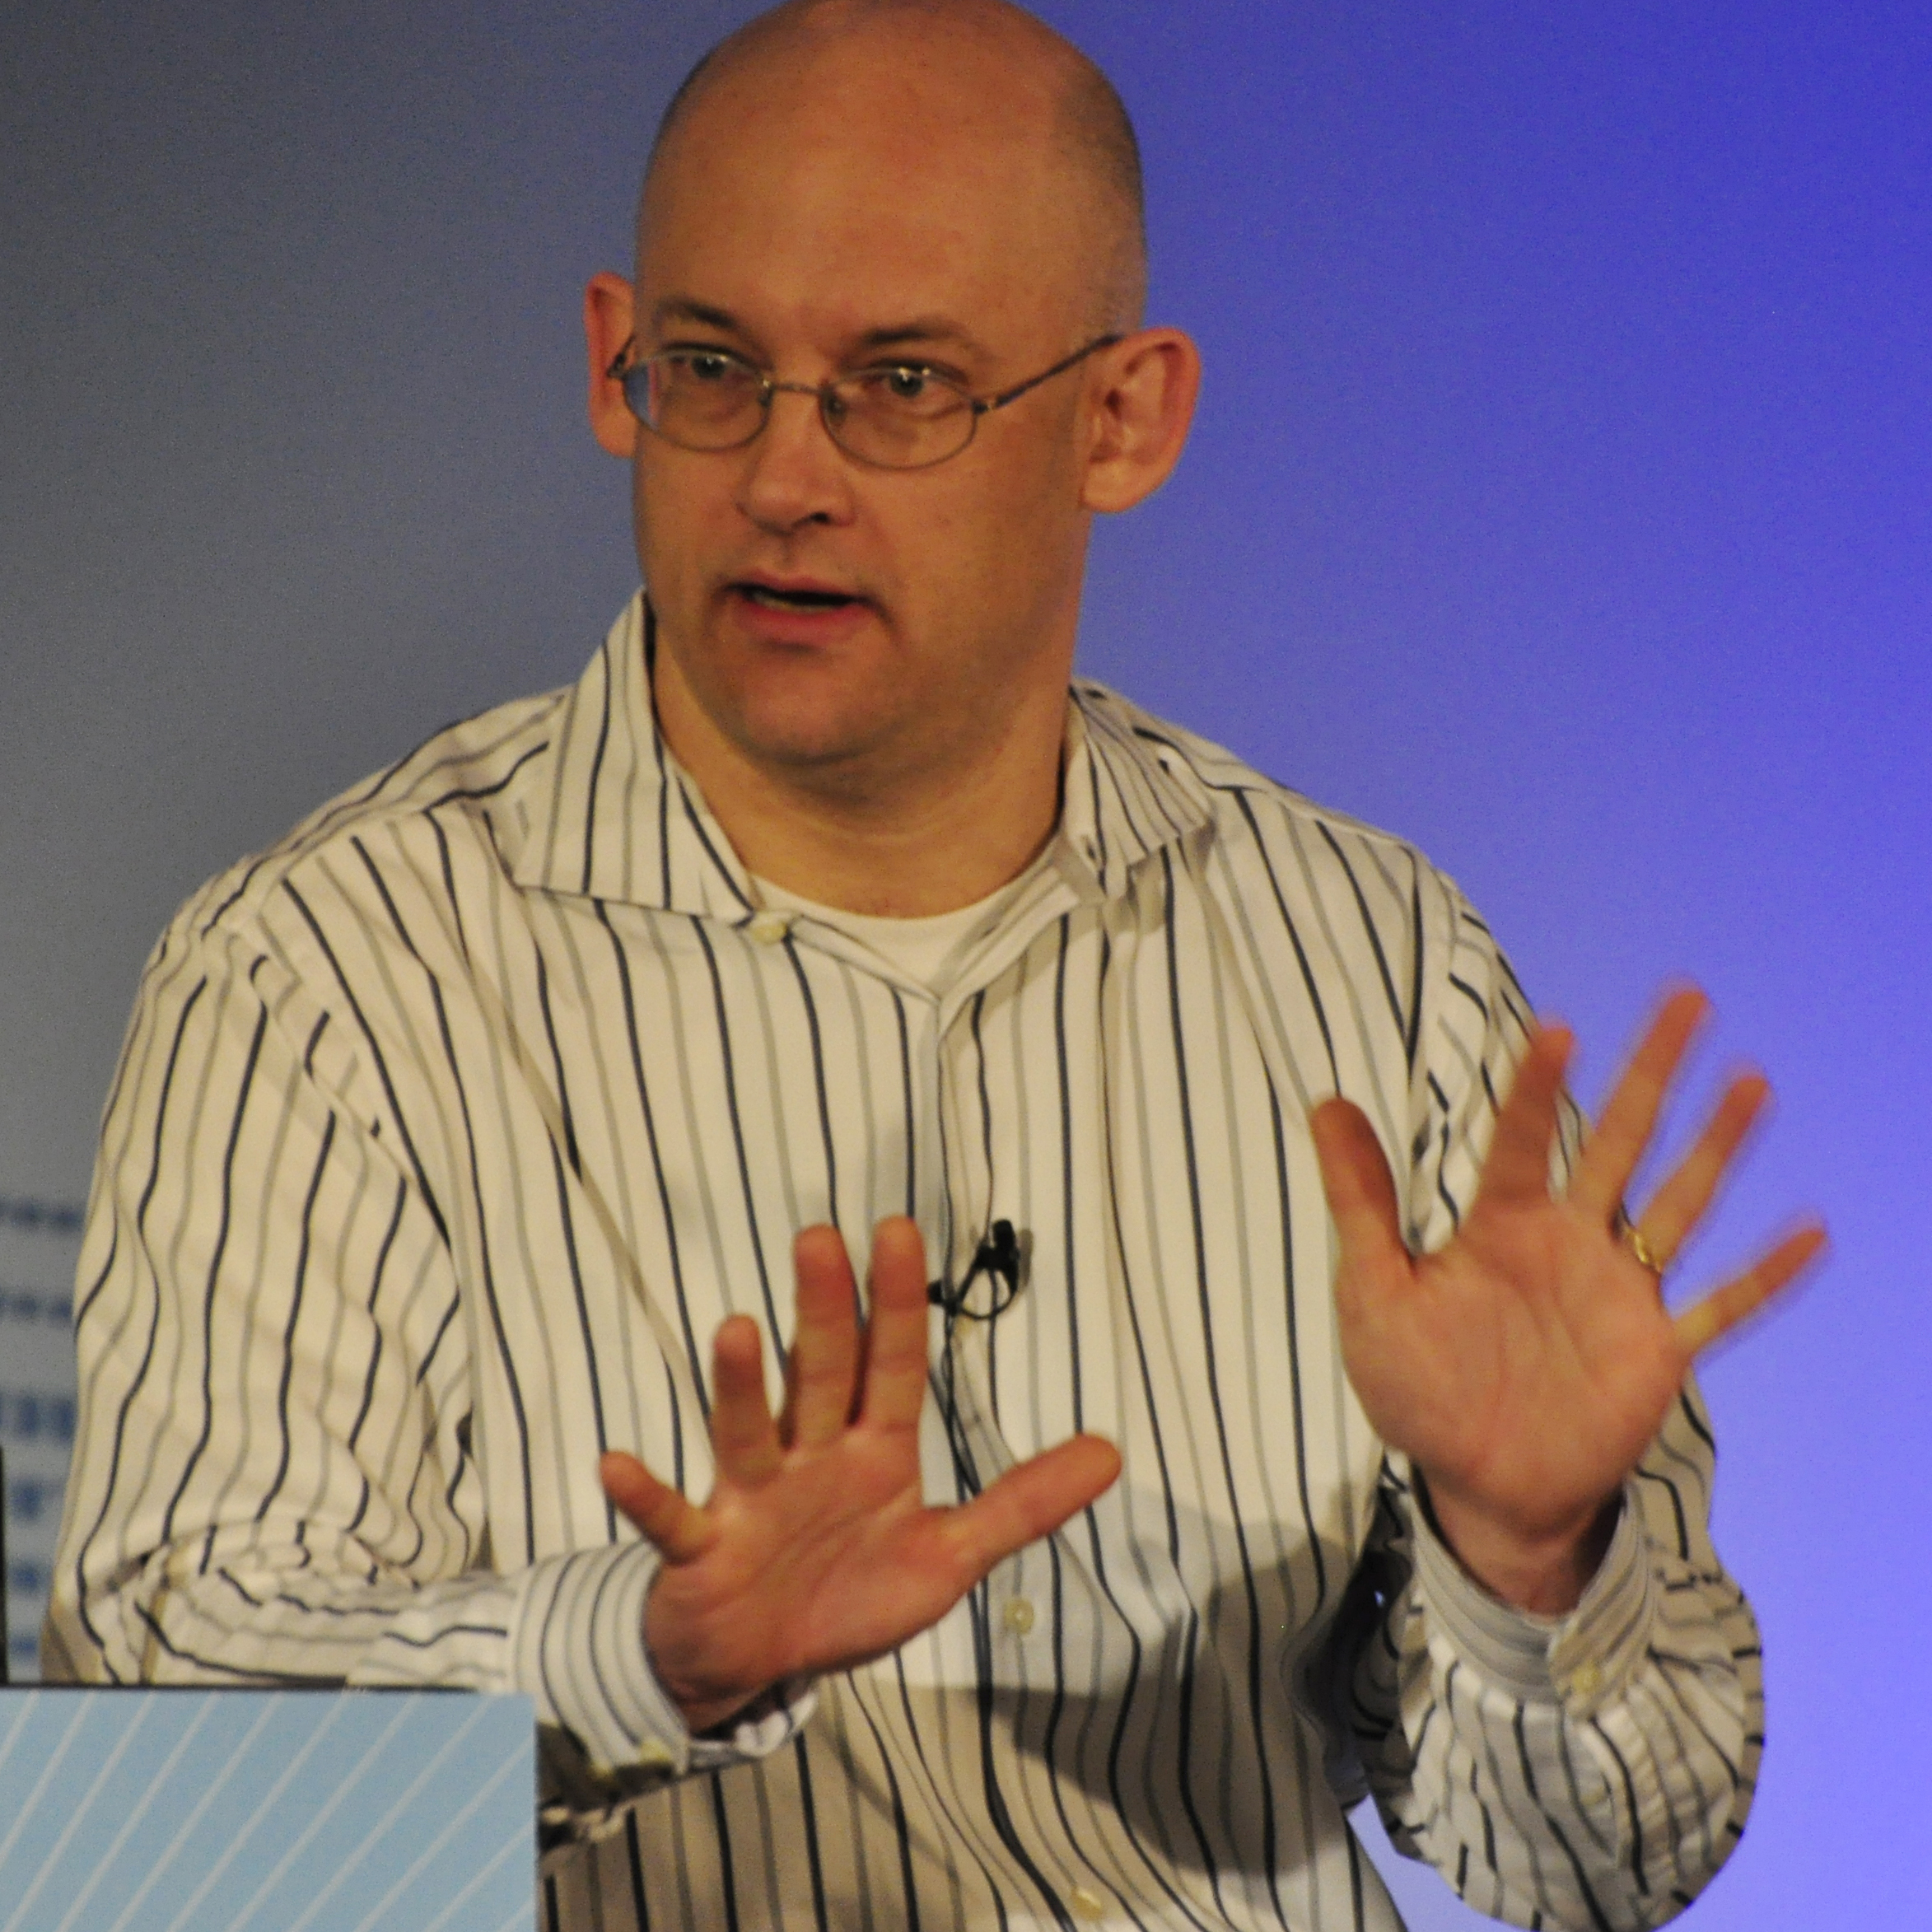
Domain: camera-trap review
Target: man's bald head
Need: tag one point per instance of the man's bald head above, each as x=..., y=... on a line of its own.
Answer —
x=880, y=209
x=997, y=56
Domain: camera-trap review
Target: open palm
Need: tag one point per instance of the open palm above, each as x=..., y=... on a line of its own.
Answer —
x=815, y=1550
x=1525, y=1367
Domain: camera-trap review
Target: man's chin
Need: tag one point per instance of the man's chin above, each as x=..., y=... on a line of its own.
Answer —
x=789, y=743
x=803, y=718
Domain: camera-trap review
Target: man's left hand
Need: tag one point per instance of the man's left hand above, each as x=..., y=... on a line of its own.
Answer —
x=1525, y=1367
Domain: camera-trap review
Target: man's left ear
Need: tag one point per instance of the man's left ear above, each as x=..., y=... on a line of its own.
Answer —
x=1144, y=401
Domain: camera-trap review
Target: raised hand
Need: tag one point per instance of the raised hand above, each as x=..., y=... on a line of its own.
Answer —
x=816, y=1551
x=1525, y=1367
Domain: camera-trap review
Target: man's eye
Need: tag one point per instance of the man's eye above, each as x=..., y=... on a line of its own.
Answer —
x=708, y=366
x=906, y=387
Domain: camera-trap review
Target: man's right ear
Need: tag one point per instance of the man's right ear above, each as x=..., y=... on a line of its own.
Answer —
x=607, y=327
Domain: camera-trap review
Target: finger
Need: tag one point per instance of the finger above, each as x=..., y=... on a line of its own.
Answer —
x=1517, y=1168
x=1611, y=1155
x=744, y=1437
x=896, y=1328
x=678, y=1528
x=1361, y=1194
x=1679, y=1204
x=1028, y=1502
x=825, y=1347
x=1724, y=1308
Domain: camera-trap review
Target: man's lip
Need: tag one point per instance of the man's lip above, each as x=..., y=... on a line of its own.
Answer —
x=813, y=586
x=774, y=620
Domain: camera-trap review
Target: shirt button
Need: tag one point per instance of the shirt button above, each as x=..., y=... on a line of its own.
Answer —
x=1017, y=1616
x=1585, y=1681
x=1087, y=1903
x=769, y=928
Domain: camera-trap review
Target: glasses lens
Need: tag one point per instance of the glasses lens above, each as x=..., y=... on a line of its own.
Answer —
x=900, y=418
x=702, y=398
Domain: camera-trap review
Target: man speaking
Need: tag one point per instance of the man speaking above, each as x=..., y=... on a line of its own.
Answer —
x=1237, y=1415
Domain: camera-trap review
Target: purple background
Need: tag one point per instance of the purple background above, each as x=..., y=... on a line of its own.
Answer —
x=1560, y=498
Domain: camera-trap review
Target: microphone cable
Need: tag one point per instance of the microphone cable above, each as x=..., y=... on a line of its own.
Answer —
x=1000, y=1258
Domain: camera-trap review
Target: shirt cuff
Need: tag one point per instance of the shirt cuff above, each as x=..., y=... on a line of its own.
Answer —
x=577, y=1648
x=1582, y=1660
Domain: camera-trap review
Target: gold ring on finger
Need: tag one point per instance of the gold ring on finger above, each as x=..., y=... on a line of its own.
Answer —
x=1632, y=1237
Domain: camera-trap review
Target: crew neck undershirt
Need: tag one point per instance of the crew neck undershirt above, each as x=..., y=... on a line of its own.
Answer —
x=924, y=949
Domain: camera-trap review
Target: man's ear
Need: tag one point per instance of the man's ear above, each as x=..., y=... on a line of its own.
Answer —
x=607, y=327
x=1144, y=400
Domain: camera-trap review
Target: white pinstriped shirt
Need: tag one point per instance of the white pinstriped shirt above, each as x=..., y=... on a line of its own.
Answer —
x=449, y=1130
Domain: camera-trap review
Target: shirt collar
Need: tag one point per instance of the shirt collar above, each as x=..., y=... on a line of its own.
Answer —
x=605, y=811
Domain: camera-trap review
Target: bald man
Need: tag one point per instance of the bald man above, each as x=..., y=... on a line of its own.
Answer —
x=1235, y=1417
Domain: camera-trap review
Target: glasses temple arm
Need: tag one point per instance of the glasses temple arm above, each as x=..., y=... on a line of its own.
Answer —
x=985, y=405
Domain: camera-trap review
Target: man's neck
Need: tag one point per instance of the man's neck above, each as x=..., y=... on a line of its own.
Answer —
x=900, y=842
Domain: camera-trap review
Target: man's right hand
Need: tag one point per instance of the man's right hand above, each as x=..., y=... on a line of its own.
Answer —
x=816, y=1551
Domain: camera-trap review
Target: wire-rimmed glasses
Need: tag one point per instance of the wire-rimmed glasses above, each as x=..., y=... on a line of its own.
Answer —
x=893, y=416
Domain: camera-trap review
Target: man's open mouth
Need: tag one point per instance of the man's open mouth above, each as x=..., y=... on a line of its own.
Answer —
x=777, y=599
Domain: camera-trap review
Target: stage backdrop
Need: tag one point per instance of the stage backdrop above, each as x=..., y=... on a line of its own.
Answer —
x=1560, y=499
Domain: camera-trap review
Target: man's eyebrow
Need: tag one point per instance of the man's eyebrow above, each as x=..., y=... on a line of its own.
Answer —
x=683, y=309
x=916, y=330
x=923, y=329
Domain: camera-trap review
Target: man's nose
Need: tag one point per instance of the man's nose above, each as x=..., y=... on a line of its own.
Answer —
x=794, y=472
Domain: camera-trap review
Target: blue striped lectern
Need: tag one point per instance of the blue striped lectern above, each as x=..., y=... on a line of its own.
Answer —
x=266, y=1811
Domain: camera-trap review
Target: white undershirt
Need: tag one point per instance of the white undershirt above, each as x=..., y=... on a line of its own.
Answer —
x=926, y=949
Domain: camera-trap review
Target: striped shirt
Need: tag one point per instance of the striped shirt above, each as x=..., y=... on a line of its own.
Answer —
x=449, y=1130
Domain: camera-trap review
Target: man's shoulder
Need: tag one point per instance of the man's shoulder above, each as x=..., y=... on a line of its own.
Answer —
x=451, y=778
x=1322, y=903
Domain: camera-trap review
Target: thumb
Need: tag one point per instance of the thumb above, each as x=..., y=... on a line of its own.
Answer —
x=667, y=1518
x=1361, y=1193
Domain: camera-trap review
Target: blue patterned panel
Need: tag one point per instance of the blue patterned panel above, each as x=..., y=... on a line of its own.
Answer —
x=40, y=1243
x=266, y=1811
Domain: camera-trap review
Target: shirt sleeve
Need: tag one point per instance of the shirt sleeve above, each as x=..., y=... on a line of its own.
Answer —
x=1592, y=1770
x=273, y=1481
